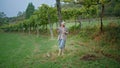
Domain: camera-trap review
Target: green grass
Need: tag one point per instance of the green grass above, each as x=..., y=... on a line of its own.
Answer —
x=20, y=50
x=29, y=51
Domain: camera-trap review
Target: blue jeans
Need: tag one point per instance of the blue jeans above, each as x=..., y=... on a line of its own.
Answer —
x=61, y=43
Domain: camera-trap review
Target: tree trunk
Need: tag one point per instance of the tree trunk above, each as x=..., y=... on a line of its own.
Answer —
x=79, y=20
x=89, y=20
x=50, y=25
x=37, y=30
x=29, y=29
x=57, y=25
x=46, y=27
x=101, y=17
x=34, y=28
x=23, y=29
x=75, y=25
x=59, y=11
x=75, y=22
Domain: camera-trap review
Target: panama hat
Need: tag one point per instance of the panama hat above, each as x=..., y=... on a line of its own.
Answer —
x=63, y=23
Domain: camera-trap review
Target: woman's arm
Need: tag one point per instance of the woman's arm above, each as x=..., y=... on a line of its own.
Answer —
x=66, y=31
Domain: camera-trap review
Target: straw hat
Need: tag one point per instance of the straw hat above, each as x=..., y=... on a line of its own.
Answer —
x=63, y=23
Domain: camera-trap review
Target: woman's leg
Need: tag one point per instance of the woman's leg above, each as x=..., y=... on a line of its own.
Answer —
x=63, y=47
x=60, y=50
x=59, y=53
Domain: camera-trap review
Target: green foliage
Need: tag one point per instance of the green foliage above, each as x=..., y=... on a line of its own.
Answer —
x=110, y=8
x=44, y=14
x=95, y=4
x=67, y=1
x=45, y=11
x=3, y=18
x=117, y=10
x=2, y=15
x=39, y=18
x=29, y=11
x=71, y=13
x=71, y=5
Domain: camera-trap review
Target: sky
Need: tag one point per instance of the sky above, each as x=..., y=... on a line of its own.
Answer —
x=12, y=7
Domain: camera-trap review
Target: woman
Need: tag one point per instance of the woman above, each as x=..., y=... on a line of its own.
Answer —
x=62, y=38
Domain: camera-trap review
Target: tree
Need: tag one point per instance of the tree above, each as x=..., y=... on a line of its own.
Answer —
x=117, y=10
x=51, y=19
x=44, y=16
x=30, y=9
x=3, y=18
x=59, y=11
x=2, y=15
x=19, y=13
x=20, y=16
x=100, y=3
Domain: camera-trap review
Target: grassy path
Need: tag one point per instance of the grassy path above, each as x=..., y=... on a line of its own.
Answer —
x=28, y=51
